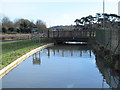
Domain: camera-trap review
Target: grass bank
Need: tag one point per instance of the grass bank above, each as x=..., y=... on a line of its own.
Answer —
x=13, y=50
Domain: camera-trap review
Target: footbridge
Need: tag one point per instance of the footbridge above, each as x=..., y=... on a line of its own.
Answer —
x=71, y=35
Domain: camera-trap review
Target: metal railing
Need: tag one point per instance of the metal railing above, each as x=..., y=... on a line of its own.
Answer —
x=110, y=38
x=69, y=34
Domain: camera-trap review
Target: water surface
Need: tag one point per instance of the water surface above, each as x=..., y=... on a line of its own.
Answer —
x=62, y=66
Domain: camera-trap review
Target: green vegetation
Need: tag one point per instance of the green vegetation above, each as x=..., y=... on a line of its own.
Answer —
x=101, y=21
x=13, y=50
x=21, y=26
x=107, y=29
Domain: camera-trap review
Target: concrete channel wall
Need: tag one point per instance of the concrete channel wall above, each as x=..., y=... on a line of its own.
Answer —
x=11, y=66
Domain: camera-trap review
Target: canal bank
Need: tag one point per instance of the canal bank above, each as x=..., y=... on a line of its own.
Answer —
x=108, y=62
x=8, y=68
x=111, y=76
x=110, y=58
x=106, y=45
x=63, y=66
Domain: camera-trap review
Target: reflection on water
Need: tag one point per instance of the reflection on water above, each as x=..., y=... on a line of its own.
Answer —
x=68, y=51
x=36, y=59
x=63, y=66
x=111, y=76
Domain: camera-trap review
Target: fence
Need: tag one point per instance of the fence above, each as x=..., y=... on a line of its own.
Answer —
x=110, y=38
x=69, y=34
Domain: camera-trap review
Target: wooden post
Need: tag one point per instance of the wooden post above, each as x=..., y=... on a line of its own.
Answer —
x=48, y=33
x=71, y=34
x=53, y=33
x=90, y=34
x=58, y=32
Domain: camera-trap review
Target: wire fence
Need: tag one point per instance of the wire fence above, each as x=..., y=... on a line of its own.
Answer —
x=70, y=34
x=110, y=38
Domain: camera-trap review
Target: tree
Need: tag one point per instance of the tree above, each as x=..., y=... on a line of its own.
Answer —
x=23, y=26
x=0, y=26
x=106, y=20
x=78, y=22
x=41, y=25
x=6, y=24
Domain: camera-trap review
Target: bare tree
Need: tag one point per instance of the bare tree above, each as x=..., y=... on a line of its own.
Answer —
x=7, y=25
x=41, y=25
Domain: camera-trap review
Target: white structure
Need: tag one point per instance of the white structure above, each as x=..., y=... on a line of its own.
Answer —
x=34, y=29
x=119, y=8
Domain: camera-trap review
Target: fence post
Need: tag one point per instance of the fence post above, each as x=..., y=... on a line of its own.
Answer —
x=48, y=33
x=53, y=34
x=58, y=32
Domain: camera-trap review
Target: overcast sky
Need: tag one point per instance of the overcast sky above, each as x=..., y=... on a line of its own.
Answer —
x=55, y=12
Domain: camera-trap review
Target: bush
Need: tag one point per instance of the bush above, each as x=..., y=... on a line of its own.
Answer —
x=4, y=30
x=11, y=29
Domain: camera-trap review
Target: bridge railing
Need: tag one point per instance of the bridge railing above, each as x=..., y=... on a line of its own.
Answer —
x=69, y=34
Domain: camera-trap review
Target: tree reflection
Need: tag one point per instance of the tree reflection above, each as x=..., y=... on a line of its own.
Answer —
x=110, y=75
x=36, y=59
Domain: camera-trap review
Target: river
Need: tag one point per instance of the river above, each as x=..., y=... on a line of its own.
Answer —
x=61, y=66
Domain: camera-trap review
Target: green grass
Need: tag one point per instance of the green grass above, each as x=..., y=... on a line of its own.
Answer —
x=13, y=50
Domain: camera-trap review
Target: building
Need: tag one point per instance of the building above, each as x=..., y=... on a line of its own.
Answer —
x=119, y=8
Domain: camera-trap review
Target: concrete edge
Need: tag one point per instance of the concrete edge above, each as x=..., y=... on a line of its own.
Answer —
x=15, y=63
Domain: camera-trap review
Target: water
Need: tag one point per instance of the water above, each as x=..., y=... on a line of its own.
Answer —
x=63, y=66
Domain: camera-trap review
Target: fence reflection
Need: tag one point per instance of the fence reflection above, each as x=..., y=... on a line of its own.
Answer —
x=67, y=51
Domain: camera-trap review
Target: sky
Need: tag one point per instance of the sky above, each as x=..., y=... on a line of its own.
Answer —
x=55, y=12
